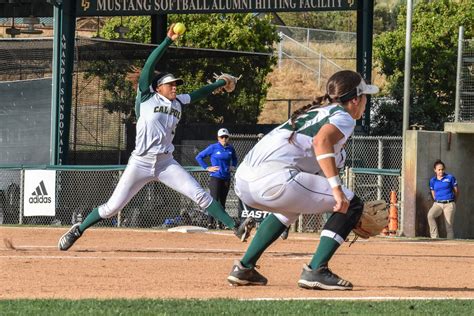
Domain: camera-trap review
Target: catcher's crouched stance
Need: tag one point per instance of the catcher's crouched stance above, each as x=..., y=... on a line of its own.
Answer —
x=293, y=171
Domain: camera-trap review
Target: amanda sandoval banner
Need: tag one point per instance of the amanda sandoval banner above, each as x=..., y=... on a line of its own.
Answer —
x=149, y=7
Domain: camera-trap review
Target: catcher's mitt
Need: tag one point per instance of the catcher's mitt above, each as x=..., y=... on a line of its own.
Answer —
x=229, y=86
x=373, y=220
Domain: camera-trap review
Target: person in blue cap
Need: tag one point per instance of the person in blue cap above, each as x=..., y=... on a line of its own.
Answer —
x=223, y=160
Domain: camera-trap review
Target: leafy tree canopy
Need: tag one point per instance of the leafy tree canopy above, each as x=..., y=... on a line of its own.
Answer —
x=435, y=30
x=239, y=32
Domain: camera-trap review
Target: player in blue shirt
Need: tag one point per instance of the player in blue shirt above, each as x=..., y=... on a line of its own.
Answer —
x=445, y=192
x=223, y=160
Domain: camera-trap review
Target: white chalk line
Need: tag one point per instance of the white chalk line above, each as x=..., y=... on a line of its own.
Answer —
x=151, y=249
x=194, y=253
x=293, y=236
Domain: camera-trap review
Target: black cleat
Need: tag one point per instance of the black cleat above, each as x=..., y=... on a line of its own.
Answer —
x=322, y=279
x=285, y=233
x=241, y=275
x=245, y=228
x=68, y=239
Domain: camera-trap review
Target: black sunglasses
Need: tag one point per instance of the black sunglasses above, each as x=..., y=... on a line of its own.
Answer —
x=224, y=136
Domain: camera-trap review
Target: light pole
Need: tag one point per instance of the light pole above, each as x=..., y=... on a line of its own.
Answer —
x=406, y=104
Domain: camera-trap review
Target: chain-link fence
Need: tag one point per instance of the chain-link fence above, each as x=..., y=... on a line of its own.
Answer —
x=10, y=189
x=379, y=152
x=374, y=152
x=322, y=52
x=80, y=189
x=466, y=95
x=185, y=154
x=368, y=184
x=373, y=184
x=377, y=184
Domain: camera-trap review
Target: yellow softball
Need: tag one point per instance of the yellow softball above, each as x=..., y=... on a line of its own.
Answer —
x=179, y=28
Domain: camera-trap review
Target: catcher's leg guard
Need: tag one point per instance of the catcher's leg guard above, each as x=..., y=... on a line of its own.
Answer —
x=342, y=224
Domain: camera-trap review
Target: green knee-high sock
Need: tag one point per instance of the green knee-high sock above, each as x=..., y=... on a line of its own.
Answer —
x=217, y=211
x=90, y=220
x=268, y=231
x=326, y=249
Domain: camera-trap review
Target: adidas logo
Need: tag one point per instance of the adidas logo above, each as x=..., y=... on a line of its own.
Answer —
x=343, y=282
x=40, y=195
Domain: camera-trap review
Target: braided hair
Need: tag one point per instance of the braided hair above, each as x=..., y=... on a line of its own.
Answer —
x=339, y=89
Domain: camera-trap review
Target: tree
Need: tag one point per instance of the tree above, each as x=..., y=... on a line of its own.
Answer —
x=433, y=75
x=239, y=32
x=385, y=17
x=336, y=21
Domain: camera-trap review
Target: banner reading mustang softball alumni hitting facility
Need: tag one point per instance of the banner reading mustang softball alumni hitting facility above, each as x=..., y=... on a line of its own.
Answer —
x=148, y=7
x=39, y=193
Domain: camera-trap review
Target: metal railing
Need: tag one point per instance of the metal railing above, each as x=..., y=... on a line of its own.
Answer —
x=323, y=52
x=314, y=61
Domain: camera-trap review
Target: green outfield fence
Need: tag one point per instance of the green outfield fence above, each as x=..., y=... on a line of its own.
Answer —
x=81, y=188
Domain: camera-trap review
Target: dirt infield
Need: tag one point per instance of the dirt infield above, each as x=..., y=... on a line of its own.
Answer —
x=120, y=263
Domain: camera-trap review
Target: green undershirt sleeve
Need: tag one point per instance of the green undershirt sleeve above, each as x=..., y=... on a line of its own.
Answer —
x=147, y=74
x=203, y=92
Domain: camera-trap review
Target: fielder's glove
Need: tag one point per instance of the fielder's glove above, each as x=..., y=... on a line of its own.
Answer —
x=373, y=220
x=229, y=86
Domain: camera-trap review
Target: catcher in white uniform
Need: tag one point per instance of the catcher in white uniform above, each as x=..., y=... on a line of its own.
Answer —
x=158, y=109
x=292, y=170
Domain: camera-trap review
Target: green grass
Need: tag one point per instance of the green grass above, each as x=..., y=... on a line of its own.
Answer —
x=234, y=307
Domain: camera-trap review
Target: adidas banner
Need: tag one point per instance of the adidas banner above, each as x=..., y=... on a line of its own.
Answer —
x=39, y=197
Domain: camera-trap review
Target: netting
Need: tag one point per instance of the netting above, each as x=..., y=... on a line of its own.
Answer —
x=102, y=127
x=25, y=103
x=466, y=108
x=99, y=131
x=23, y=59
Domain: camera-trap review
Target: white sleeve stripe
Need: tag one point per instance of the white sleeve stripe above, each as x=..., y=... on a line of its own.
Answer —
x=324, y=156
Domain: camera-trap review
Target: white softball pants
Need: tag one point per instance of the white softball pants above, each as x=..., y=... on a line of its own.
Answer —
x=285, y=191
x=163, y=168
